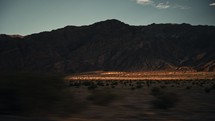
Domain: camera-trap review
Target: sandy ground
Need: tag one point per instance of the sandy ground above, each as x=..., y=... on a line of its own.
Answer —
x=155, y=75
x=193, y=102
x=137, y=100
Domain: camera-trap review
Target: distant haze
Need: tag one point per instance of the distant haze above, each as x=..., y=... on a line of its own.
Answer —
x=31, y=16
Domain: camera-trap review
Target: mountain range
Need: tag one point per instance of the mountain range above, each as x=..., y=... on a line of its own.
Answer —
x=111, y=45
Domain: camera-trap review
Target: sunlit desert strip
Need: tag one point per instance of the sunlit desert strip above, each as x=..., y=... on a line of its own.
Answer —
x=100, y=75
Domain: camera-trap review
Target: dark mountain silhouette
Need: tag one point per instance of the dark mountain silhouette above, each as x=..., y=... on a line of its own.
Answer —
x=111, y=45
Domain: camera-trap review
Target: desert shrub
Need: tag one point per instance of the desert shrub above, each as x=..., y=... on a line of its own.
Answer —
x=102, y=97
x=207, y=89
x=87, y=83
x=139, y=86
x=35, y=94
x=114, y=83
x=163, y=86
x=77, y=84
x=100, y=83
x=188, y=87
x=148, y=83
x=163, y=100
x=92, y=86
x=133, y=88
x=213, y=87
x=155, y=91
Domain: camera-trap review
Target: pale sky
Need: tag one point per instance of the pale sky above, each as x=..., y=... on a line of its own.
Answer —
x=32, y=16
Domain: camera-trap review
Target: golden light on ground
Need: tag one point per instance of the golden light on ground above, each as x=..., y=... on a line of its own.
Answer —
x=114, y=75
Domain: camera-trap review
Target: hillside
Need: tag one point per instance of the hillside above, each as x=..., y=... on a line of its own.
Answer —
x=111, y=45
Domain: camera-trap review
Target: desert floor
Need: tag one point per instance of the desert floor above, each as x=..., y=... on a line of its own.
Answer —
x=145, y=100
x=123, y=96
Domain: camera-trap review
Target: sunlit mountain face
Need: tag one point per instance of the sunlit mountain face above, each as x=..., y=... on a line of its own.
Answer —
x=111, y=45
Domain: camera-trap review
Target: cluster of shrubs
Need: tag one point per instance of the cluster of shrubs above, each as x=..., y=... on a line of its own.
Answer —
x=208, y=85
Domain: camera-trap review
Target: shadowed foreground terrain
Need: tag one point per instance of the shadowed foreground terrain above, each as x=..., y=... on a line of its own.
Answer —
x=147, y=100
x=41, y=97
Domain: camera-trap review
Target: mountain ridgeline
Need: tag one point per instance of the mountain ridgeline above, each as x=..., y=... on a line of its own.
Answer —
x=113, y=46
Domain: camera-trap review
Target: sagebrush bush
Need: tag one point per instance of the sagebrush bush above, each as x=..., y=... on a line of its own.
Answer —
x=102, y=97
x=163, y=100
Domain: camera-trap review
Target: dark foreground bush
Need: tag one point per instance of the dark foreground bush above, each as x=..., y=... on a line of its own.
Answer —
x=155, y=91
x=163, y=100
x=35, y=94
x=101, y=97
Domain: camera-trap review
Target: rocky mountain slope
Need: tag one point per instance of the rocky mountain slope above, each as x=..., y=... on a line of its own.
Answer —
x=111, y=45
